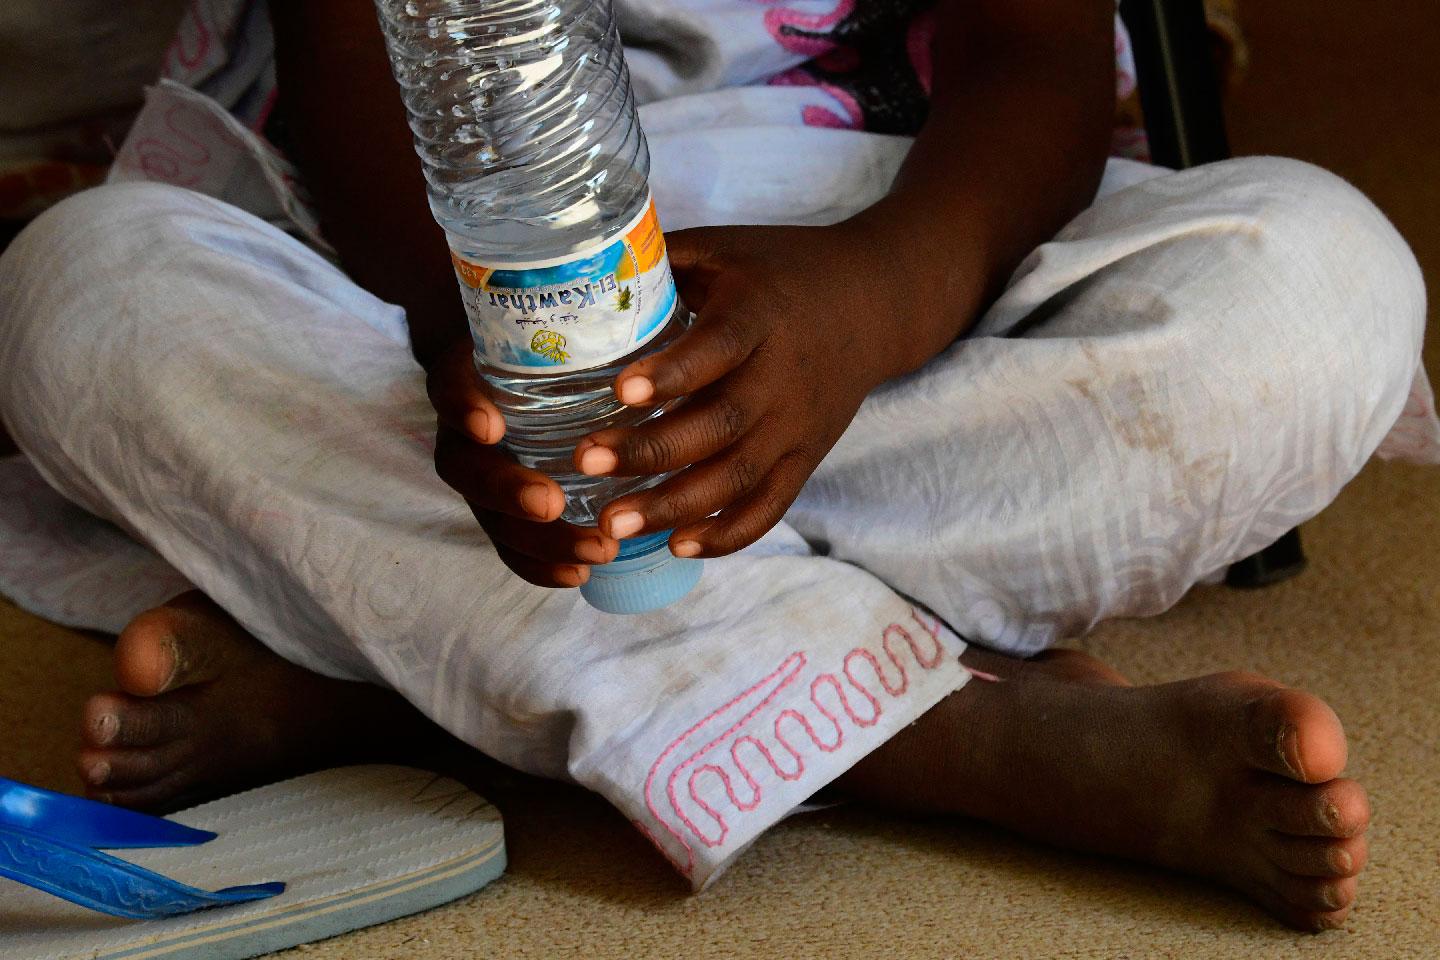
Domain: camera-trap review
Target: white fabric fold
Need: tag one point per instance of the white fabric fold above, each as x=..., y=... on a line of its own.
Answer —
x=1192, y=367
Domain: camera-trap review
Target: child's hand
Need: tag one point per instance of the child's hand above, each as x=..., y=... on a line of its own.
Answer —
x=788, y=339
x=516, y=506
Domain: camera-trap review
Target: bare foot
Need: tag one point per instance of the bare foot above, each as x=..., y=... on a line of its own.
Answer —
x=204, y=709
x=1232, y=777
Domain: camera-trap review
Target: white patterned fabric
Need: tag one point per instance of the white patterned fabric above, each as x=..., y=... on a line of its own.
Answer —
x=1196, y=364
x=184, y=138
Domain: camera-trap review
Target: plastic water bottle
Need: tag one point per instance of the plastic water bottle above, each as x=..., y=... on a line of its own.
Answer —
x=537, y=171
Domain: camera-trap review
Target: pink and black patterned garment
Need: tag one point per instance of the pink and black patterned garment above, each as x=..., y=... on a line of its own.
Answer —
x=865, y=62
x=873, y=56
x=870, y=59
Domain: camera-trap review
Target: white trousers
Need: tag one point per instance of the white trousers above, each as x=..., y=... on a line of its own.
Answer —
x=1196, y=364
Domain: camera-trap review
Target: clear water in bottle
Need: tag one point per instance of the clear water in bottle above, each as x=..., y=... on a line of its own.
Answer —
x=537, y=170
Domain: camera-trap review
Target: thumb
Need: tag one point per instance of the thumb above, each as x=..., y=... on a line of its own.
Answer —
x=695, y=257
x=690, y=249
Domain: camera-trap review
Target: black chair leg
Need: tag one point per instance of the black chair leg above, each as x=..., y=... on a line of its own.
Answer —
x=1179, y=92
x=1281, y=560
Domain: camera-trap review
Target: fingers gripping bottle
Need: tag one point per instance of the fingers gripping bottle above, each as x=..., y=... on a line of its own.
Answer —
x=537, y=171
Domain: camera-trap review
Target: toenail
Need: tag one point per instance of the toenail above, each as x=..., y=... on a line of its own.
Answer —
x=1332, y=897
x=1286, y=735
x=99, y=772
x=1343, y=861
x=177, y=665
x=1332, y=814
x=106, y=726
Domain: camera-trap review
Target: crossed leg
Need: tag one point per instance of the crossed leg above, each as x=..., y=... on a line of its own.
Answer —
x=1232, y=777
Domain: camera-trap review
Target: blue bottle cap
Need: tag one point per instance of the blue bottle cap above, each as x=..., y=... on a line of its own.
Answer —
x=644, y=576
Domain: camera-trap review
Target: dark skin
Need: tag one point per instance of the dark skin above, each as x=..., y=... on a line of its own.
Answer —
x=1014, y=147
x=1230, y=776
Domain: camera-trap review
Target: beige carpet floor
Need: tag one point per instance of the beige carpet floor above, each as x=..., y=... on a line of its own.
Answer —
x=1351, y=86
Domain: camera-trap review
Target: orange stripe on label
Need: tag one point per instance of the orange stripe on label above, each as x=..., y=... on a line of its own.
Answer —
x=471, y=274
x=647, y=240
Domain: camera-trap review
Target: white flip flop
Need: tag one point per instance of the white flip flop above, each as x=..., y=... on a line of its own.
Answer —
x=354, y=846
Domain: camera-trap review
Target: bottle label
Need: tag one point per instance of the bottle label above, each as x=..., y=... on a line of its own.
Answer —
x=571, y=313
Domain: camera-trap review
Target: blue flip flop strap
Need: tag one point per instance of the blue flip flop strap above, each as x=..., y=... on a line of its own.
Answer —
x=87, y=823
x=105, y=883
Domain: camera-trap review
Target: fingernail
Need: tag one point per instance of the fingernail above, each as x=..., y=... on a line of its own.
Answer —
x=598, y=460
x=572, y=576
x=636, y=390
x=481, y=426
x=535, y=498
x=625, y=523
x=106, y=726
x=98, y=773
x=686, y=548
x=591, y=551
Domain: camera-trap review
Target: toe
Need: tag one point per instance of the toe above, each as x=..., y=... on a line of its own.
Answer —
x=1339, y=808
x=158, y=795
x=171, y=646
x=145, y=653
x=100, y=719
x=1309, y=920
x=1312, y=921
x=108, y=771
x=1295, y=735
x=1315, y=895
x=118, y=720
x=1316, y=856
